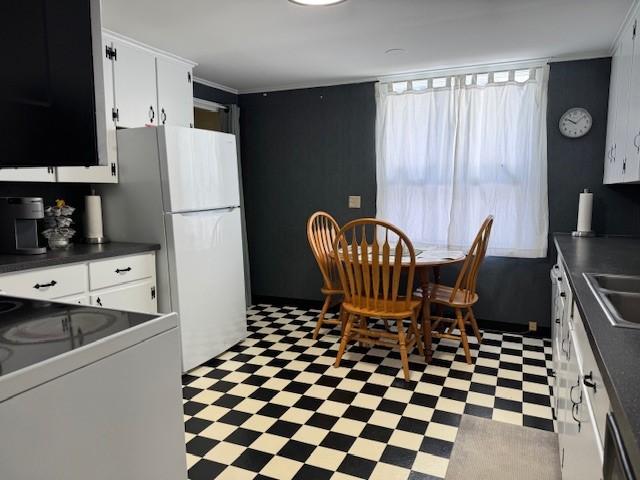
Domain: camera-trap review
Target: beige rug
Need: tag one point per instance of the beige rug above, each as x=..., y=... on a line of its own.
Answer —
x=490, y=450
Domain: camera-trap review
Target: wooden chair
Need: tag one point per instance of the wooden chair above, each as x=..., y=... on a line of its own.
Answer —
x=321, y=231
x=370, y=266
x=462, y=296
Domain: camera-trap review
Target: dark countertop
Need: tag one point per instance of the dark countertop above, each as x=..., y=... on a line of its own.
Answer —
x=617, y=350
x=80, y=252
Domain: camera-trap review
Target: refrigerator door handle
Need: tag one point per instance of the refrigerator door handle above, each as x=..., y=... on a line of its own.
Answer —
x=229, y=208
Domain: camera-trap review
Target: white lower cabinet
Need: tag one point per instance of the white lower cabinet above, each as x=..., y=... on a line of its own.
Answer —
x=79, y=299
x=124, y=283
x=134, y=297
x=581, y=401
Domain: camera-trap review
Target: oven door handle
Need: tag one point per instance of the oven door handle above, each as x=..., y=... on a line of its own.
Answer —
x=618, y=445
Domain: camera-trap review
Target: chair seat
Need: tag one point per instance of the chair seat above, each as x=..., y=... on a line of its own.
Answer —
x=397, y=309
x=442, y=294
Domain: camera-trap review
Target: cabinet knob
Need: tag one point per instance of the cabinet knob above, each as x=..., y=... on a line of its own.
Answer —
x=163, y=116
x=152, y=114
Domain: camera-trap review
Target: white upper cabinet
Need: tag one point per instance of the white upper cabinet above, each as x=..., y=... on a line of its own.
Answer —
x=134, y=73
x=622, y=153
x=632, y=170
x=175, y=92
x=143, y=86
x=107, y=173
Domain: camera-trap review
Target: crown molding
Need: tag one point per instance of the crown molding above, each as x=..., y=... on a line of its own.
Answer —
x=304, y=85
x=157, y=51
x=211, y=84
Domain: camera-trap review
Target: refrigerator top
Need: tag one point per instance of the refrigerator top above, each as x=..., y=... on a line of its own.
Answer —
x=199, y=169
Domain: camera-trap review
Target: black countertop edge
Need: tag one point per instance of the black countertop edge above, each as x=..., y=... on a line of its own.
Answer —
x=80, y=252
x=616, y=350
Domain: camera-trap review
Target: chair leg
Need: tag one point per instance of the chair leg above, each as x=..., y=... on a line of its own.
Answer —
x=463, y=335
x=323, y=312
x=416, y=332
x=343, y=319
x=345, y=339
x=474, y=325
x=403, y=349
x=426, y=330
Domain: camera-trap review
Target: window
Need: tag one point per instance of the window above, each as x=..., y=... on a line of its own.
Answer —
x=470, y=146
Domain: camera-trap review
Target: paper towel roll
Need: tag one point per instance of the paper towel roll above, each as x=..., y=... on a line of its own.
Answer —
x=585, y=206
x=93, y=216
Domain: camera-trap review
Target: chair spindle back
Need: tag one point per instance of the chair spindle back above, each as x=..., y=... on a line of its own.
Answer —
x=468, y=275
x=321, y=231
x=371, y=252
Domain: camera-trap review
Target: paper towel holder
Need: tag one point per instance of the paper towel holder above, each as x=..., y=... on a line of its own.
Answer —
x=584, y=233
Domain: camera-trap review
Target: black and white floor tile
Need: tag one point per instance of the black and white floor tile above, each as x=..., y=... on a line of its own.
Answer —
x=274, y=407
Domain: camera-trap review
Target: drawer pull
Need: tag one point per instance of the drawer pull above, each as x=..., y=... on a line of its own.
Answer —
x=123, y=270
x=52, y=283
x=588, y=381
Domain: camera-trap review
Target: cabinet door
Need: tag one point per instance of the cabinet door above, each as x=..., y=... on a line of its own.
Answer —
x=175, y=93
x=632, y=170
x=609, y=168
x=134, y=73
x=99, y=173
x=79, y=299
x=622, y=63
x=30, y=174
x=135, y=297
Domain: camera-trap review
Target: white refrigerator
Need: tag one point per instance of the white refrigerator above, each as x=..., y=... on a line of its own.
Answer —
x=179, y=187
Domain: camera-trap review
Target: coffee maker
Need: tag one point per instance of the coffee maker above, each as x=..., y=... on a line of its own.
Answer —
x=19, y=225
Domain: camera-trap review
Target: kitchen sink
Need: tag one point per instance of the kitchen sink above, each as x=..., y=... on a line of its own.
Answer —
x=619, y=297
x=617, y=283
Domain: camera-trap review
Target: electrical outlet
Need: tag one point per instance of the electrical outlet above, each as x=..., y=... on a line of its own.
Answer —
x=354, y=201
x=533, y=326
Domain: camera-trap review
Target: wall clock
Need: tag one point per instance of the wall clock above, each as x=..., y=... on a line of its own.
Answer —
x=575, y=122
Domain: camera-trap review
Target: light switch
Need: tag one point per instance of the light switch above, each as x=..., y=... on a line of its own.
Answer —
x=354, y=201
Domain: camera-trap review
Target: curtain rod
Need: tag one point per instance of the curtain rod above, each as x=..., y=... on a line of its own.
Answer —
x=463, y=70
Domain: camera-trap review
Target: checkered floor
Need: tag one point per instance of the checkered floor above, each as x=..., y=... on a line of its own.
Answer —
x=273, y=407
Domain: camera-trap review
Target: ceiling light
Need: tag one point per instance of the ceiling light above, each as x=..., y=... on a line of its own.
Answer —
x=317, y=3
x=395, y=51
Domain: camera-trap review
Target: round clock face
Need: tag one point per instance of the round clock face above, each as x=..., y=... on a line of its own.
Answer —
x=575, y=123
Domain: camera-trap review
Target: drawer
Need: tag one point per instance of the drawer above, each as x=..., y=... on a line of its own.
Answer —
x=590, y=374
x=46, y=283
x=118, y=270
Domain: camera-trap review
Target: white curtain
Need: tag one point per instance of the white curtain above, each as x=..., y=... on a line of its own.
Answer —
x=452, y=150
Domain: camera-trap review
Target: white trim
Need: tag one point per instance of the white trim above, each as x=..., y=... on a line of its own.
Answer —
x=631, y=13
x=211, y=84
x=156, y=51
x=207, y=105
x=299, y=86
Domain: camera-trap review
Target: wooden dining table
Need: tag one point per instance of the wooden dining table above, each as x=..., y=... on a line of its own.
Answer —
x=430, y=258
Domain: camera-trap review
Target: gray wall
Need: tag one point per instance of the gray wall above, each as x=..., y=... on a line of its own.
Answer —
x=302, y=151
x=305, y=150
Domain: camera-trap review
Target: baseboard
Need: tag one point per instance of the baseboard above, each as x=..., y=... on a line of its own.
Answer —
x=489, y=325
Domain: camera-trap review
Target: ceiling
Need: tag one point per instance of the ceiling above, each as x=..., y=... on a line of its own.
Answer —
x=256, y=45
